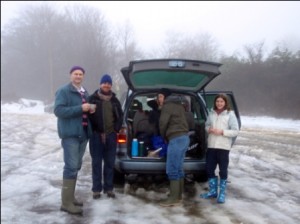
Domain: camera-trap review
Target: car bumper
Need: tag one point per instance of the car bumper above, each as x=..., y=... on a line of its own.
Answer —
x=144, y=166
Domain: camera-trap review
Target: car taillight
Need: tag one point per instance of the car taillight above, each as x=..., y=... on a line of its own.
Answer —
x=122, y=136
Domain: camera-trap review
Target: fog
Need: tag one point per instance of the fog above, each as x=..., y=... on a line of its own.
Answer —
x=41, y=41
x=264, y=176
x=233, y=24
x=257, y=43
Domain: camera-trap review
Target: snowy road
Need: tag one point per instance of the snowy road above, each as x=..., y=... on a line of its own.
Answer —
x=264, y=177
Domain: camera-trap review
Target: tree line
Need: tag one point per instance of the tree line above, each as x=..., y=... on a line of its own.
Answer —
x=41, y=44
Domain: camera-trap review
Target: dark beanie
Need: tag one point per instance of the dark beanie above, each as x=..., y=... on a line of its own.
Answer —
x=76, y=67
x=165, y=92
x=106, y=79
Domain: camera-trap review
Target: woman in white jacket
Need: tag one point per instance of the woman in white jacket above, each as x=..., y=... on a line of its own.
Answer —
x=222, y=127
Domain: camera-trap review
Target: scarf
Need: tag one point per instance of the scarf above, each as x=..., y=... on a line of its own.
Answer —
x=105, y=96
x=84, y=114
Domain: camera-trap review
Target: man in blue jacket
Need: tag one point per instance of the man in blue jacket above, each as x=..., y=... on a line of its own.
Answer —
x=71, y=108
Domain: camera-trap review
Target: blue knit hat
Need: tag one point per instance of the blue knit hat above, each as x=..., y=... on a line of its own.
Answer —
x=106, y=79
x=76, y=67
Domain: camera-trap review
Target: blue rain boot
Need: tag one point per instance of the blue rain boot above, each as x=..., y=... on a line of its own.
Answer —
x=221, y=198
x=213, y=189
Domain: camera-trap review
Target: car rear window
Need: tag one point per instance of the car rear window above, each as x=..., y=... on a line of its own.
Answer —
x=172, y=78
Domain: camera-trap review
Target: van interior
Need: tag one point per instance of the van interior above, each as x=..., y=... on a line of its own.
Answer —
x=142, y=126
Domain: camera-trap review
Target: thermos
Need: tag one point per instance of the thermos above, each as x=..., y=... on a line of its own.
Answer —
x=141, y=149
x=134, y=147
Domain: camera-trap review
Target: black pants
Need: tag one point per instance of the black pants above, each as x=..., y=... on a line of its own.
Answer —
x=216, y=157
x=105, y=152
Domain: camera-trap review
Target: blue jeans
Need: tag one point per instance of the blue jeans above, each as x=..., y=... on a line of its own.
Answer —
x=177, y=148
x=216, y=157
x=107, y=152
x=74, y=149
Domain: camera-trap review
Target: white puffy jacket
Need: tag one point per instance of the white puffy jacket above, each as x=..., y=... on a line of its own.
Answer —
x=225, y=121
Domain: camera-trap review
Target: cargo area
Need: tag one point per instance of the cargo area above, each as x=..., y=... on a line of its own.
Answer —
x=150, y=145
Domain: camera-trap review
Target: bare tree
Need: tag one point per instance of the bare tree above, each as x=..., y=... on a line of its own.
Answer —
x=255, y=52
x=29, y=52
x=290, y=42
x=125, y=51
x=171, y=47
x=40, y=47
x=201, y=46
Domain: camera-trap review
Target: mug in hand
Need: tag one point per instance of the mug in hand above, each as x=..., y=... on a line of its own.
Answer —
x=92, y=108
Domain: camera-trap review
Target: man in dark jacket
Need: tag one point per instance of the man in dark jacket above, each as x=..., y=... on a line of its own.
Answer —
x=174, y=128
x=106, y=123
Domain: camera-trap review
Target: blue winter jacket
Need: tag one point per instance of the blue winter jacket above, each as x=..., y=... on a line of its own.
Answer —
x=68, y=110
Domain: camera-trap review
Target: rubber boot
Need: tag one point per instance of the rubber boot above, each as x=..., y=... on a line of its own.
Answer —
x=67, y=197
x=75, y=201
x=181, y=190
x=221, y=198
x=173, y=199
x=213, y=189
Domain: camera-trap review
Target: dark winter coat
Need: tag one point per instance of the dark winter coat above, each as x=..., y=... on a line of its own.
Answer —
x=172, y=122
x=97, y=119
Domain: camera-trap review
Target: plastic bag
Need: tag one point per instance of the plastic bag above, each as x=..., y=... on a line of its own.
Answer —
x=158, y=142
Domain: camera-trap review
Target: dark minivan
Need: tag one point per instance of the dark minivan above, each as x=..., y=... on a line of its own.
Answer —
x=144, y=78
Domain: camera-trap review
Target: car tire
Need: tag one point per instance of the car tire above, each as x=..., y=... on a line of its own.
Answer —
x=200, y=178
x=119, y=179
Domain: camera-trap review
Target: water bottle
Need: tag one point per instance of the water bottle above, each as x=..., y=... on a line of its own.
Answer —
x=134, y=147
x=141, y=149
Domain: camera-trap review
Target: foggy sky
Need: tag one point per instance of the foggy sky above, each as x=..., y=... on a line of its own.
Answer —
x=232, y=24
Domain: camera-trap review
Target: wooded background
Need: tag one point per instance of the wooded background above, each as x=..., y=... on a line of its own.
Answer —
x=39, y=47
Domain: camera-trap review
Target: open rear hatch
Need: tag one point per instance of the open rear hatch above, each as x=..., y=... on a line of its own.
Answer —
x=179, y=74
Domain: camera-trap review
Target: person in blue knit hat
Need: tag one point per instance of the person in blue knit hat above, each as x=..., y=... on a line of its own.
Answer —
x=106, y=123
x=106, y=79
